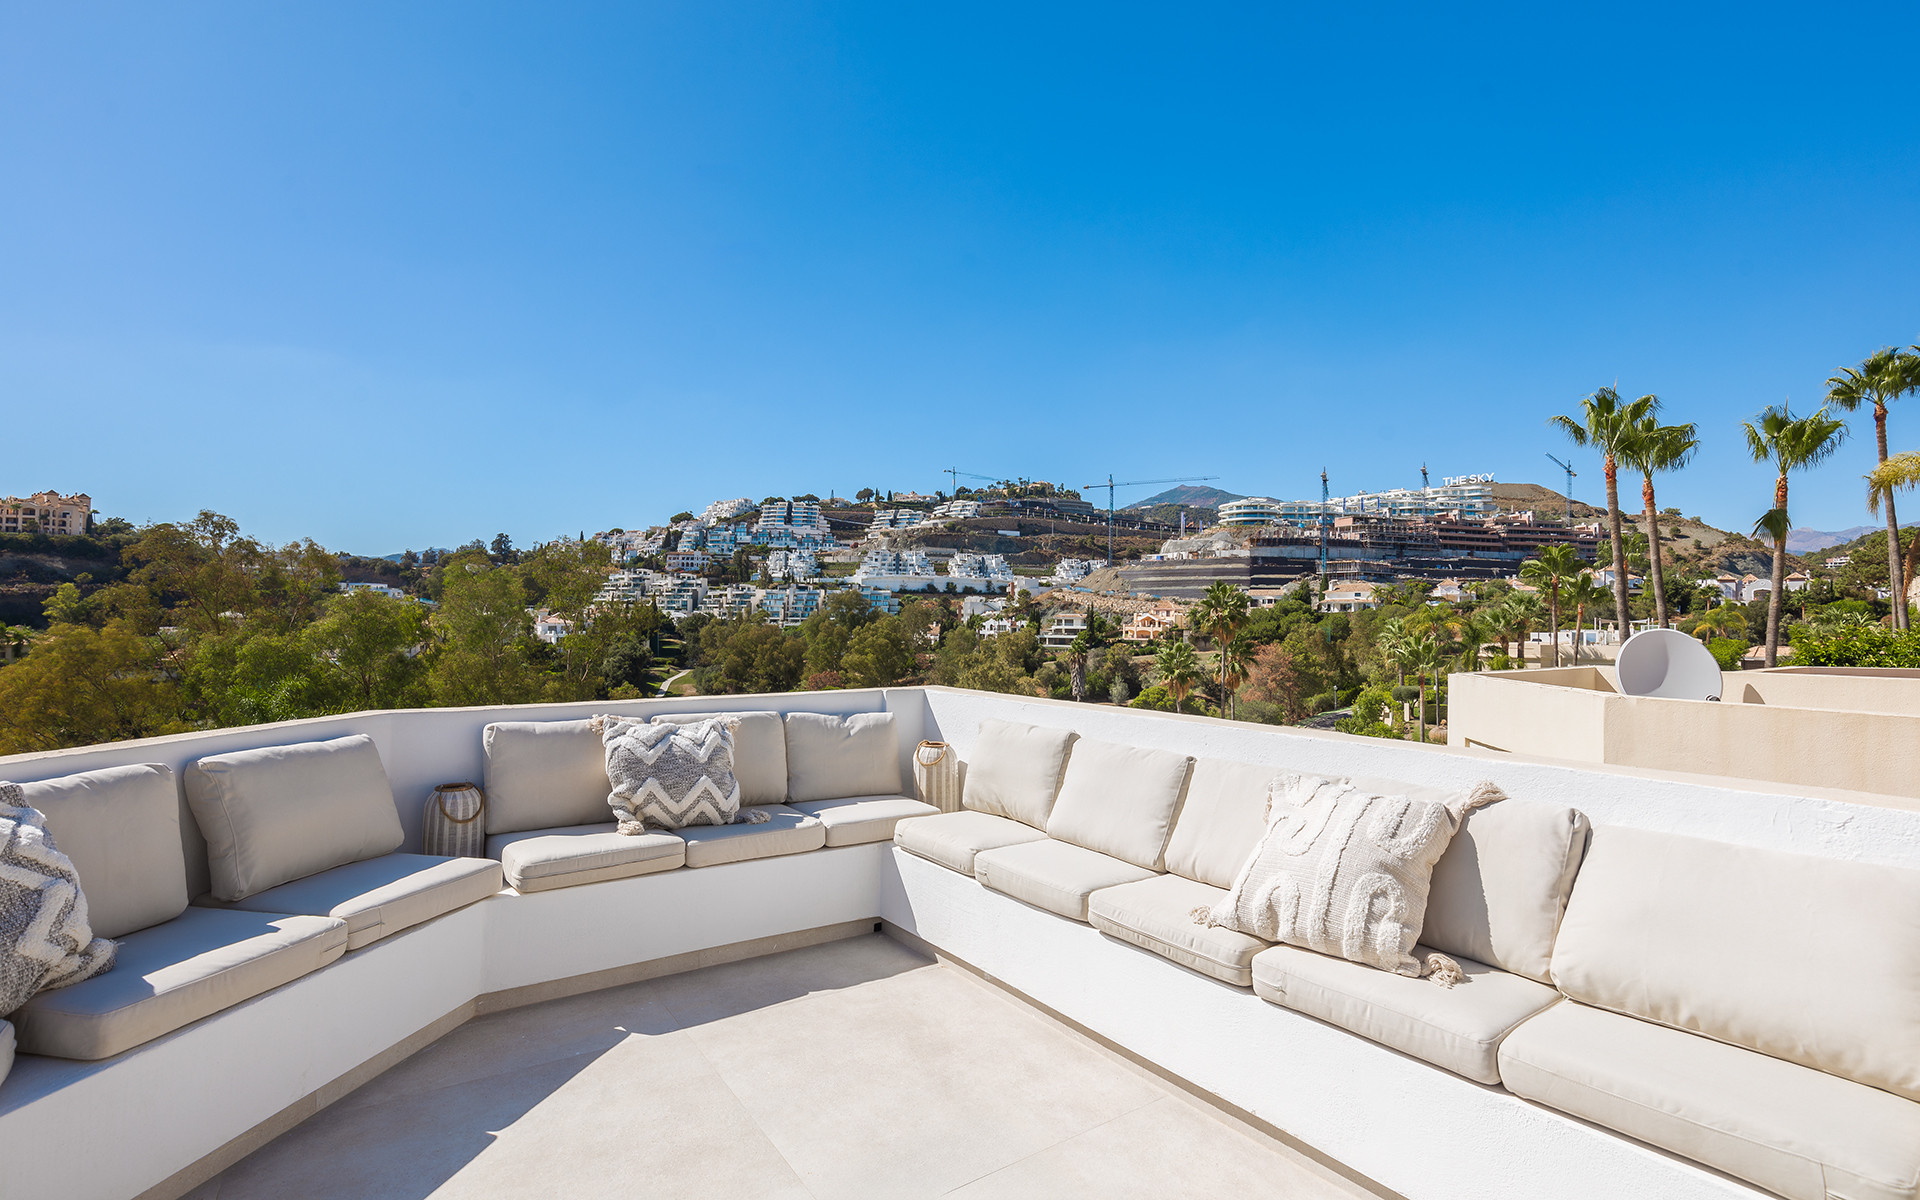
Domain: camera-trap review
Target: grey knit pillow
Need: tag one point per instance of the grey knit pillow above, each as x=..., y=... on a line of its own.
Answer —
x=671, y=776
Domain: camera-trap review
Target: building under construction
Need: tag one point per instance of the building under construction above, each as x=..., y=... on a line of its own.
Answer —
x=1377, y=549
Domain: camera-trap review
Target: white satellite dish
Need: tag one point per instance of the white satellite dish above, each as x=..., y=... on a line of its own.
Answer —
x=1669, y=664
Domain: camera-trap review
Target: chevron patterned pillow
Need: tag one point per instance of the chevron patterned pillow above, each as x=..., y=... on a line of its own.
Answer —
x=671, y=776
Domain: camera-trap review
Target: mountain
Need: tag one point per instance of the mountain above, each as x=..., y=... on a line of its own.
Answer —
x=1192, y=497
x=1805, y=541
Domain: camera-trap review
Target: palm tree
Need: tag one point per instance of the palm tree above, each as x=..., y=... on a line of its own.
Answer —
x=1656, y=447
x=1789, y=443
x=1886, y=376
x=1607, y=423
x=1583, y=593
x=1179, y=670
x=1076, y=660
x=1392, y=640
x=1724, y=620
x=1523, y=613
x=1552, y=571
x=1897, y=473
x=1423, y=655
x=1220, y=613
x=1236, y=659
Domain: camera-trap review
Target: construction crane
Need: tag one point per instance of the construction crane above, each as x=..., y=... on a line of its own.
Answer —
x=1326, y=503
x=955, y=474
x=1110, y=485
x=1571, y=473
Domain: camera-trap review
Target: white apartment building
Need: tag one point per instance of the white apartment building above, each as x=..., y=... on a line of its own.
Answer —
x=1072, y=570
x=1062, y=628
x=1348, y=597
x=790, y=605
x=392, y=593
x=731, y=601
x=955, y=510
x=685, y=560
x=888, y=519
x=995, y=626
x=726, y=510
x=881, y=599
x=684, y=594
x=46, y=512
x=797, y=564
x=1469, y=495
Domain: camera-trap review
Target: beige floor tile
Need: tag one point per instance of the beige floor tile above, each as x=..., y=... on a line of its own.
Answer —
x=1167, y=1149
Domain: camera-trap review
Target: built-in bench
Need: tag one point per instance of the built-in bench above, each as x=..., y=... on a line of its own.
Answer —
x=1749, y=1010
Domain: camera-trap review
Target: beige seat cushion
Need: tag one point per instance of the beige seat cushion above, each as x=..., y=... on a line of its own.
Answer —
x=786, y=831
x=856, y=819
x=1119, y=800
x=1221, y=822
x=1157, y=914
x=1813, y=960
x=829, y=757
x=1014, y=770
x=1459, y=1028
x=759, y=752
x=538, y=860
x=382, y=896
x=121, y=828
x=1499, y=891
x=280, y=813
x=544, y=775
x=1056, y=876
x=954, y=839
x=1792, y=1130
x=170, y=975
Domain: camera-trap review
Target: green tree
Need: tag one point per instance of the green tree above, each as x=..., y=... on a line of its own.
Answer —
x=1522, y=613
x=1179, y=670
x=1585, y=594
x=1607, y=423
x=830, y=629
x=747, y=653
x=1884, y=377
x=83, y=685
x=367, y=642
x=1725, y=620
x=1896, y=473
x=879, y=654
x=1789, y=443
x=483, y=630
x=1556, y=567
x=1220, y=613
x=1653, y=448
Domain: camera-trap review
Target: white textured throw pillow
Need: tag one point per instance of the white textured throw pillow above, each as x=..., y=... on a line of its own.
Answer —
x=671, y=776
x=1345, y=871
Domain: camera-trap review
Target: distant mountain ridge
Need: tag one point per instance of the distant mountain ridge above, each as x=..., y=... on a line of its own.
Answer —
x=1187, y=494
x=1805, y=541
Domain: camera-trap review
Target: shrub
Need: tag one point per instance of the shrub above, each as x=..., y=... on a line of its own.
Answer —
x=1727, y=652
x=1406, y=694
x=1324, y=702
x=1855, y=646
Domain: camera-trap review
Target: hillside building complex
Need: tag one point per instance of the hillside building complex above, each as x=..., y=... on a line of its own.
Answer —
x=1468, y=496
x=46, y=512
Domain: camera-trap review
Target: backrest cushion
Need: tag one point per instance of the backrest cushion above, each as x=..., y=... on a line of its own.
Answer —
x=1119, y=800
x=1014, y=770
x=1221, y=822
x=544, y=774
x=1500, y=889
x=282, y=813
x=121, y=828
x=759, y=752
x=1811, y=960
x=832, y=757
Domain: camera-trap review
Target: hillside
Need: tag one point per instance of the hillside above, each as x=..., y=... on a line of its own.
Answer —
x=1187, y=496
x=1525, y=497
x=1806, y=541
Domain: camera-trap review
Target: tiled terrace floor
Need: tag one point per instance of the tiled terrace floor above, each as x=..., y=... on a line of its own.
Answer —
x=852, y=1069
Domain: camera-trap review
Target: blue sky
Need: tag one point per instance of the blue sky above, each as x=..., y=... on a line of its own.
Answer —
x=403, y=275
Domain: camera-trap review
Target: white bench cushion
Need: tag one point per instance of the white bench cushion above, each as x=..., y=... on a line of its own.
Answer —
x=1802, y=1133
x=202, y=961
x=544, y=775
x=829, y=757
x=121, y=828
x=281, y=813
x=853, y=820
x=954, y=839
x=1014, y=770
x=1499, y=891
x=1221, y=822
x=6, y=1049
x=1813, y=960
x=538, y=860
x=1459, y=1028
x=1119, y=800
x=1157, y=914
x=1056, y=876
x=382, y=896
x=759, y=752
x=786, y=831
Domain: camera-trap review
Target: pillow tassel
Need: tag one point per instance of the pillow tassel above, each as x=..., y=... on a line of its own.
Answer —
x=1442, y=969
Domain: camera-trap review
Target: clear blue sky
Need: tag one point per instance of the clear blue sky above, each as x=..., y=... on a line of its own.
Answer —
x=400, y=275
